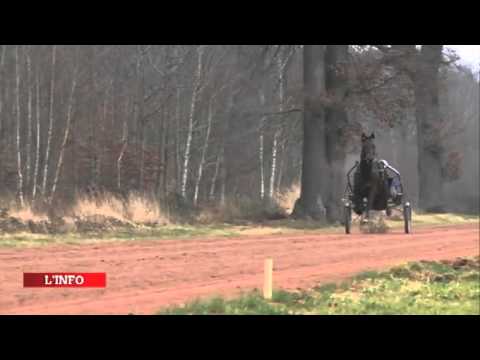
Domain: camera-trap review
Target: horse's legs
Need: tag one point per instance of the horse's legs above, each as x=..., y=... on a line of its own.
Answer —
x=371, y=197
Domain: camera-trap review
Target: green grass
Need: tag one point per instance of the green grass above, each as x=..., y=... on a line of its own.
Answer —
x=249, y=304
x=423, y=288
x=424, y=219
x=279, y=227
x=166, y=232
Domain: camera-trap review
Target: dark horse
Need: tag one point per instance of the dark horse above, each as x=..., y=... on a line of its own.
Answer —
x=370, y=182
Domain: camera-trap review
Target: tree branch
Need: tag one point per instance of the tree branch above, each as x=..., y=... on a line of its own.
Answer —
x=282, y=112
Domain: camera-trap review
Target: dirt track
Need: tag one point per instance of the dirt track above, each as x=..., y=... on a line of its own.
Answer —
x=142, y=277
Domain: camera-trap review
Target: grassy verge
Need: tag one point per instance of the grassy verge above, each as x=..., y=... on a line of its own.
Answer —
x=291, y=226
x=430, y=288
x=422, y=219
x=26, y=239
x=141, y=233
x=278, y=227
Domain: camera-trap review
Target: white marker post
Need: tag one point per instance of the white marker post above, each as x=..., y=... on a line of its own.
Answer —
x=267, y=282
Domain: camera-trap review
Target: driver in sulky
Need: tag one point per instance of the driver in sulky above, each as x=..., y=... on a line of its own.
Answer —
x=393, y=181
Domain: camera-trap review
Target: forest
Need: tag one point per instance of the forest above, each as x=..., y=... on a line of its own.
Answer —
x=205, y=126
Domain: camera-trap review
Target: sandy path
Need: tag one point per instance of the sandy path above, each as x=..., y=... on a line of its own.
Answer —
x=144, y=276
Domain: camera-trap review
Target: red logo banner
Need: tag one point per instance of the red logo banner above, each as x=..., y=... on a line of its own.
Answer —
x=65, y=280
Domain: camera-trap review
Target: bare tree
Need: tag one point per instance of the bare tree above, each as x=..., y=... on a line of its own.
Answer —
x=122, y=151
x=66, y=135
x=214, y=178
x=51, y=121
x=37, y=142
x=140, y=112
x=2, y=82
x=228, y=121
x=336, y=120
x=17, y=110
x=204, y=151
x=261, y=151
x=195, y=95
x=29, y=116
x=314, y=167
x=429, y=126
x=281, y=65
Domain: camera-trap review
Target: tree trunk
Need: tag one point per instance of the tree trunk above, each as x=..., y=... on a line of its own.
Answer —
x=230, y=161
x=103, y=173
x=177, y=143
x=261, y=158
x=123, y=149
x=50, y=124
x=336, y=122
x=214, y=179
x=281, y=168
x=2, y=83
x=223, y=180
x=394, y=147
x=93, y=111
x=195, y=94
x=261, y=149
x=204, y=153
x=37, y=142
x=2, y=98
x=273, y=172
x=314, y=165
x=163, y=157
x=65, y=137
x=143, y=140
x=29, y=119
x=140, y=121
x=17, y=110
x=276, y=136
x=429, y=127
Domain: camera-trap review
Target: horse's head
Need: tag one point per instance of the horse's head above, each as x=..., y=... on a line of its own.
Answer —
x=369, y=151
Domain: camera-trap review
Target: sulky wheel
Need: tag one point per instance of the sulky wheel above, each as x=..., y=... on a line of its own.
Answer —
x=407, y=217
x=348, y=217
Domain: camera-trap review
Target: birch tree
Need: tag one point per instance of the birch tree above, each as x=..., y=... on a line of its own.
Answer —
x=29, y=116
x=18, y=116
x=2, y=83
x=66, y=135
x=214, y=178
x=195, y=95
x=281, y=65
x=204, y=151
x=261, y=149
x=220, y=122
x=37, y=142
x=122, y=151
x=51, y=121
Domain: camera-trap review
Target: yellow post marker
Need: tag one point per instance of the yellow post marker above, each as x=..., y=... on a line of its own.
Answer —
x=267, y=282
